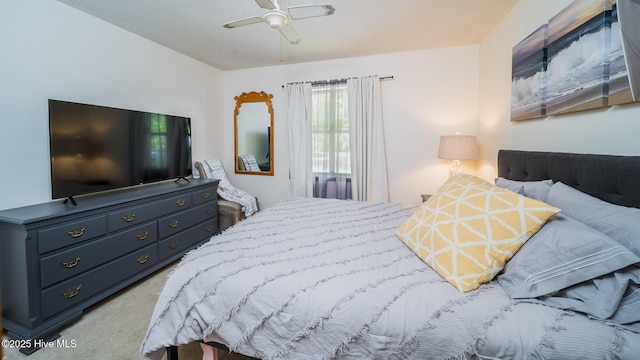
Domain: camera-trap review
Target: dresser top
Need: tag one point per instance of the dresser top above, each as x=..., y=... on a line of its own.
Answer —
x=57, y=208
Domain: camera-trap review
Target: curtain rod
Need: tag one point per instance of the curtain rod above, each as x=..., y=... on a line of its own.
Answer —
x=335, y=81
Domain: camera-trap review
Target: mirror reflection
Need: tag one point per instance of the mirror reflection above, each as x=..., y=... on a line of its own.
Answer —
x=253, y=118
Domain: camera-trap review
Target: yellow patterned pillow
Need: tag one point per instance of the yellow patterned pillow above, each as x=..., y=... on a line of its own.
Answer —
x=469, y=229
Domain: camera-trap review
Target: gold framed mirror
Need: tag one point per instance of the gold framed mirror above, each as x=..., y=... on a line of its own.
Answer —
x=253, y=131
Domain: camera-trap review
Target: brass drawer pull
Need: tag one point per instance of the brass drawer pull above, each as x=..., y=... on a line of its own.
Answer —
x=205, y=195
x=129, y=217
x=143, y=259
x=180, y=202
x=76, y=232
x=72, y=292
x=209, y=228
x=173, y=245
x=71, y=262
x=208, y=210
x=142, y=235
x=173, y=224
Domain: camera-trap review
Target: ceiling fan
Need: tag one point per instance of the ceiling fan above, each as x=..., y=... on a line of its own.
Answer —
x=280, y=20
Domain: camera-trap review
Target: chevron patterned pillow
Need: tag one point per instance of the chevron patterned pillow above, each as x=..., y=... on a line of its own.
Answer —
x=470, y=228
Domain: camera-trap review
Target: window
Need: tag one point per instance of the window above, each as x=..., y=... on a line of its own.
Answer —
x=331, y=159
x=158, y=141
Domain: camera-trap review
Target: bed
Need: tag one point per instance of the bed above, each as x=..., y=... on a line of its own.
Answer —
x=334, y=279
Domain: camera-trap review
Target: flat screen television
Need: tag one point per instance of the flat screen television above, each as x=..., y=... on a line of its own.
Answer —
x=96, y=148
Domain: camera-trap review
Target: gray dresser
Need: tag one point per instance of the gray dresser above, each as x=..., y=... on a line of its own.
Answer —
x=57, y=259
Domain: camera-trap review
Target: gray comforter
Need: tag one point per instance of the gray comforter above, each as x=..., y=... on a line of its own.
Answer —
x=324, y=279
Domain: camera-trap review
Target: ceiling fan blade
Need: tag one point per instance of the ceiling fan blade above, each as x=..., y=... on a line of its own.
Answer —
x=290, y=33
x=243, y=22
x=308, y=11
x=266, y=4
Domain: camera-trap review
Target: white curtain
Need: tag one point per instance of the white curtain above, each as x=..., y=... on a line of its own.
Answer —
x=368, y=159
x=330, y=141
x=299, y=119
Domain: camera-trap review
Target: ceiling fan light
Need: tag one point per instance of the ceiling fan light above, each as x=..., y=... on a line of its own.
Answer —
x=276, y=19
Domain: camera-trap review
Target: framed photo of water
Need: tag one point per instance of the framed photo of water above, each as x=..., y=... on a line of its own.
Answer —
x=585, y=57
x=529, y=65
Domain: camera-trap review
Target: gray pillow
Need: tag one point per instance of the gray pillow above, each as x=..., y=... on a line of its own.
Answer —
x=614, y=298
x=534, y=189
x=564, y=252
x=628, y=311
x=618, y=222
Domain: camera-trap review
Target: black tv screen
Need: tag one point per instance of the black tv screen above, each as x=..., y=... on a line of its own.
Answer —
x=97, y=148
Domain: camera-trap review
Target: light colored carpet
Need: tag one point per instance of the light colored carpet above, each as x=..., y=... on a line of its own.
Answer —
x=114, y=328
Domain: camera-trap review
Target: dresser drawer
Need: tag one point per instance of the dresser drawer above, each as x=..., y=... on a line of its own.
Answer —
x=204, y=195
x=139, y=214
x=82, y=258
x=70, y=292
x=176, y=244
x=70, y=233
x=175, y=223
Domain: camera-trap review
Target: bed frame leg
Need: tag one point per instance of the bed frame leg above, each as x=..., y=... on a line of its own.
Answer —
x=209, y=352
x=172, y=353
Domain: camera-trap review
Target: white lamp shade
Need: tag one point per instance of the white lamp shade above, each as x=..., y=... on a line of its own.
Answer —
x=458, y=147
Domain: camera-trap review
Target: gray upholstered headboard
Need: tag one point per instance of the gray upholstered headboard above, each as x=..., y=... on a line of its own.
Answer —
x=612, y=178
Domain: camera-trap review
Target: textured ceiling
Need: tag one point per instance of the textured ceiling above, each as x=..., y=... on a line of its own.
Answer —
x=358, y=27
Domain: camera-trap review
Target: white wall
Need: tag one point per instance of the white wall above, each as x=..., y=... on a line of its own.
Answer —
x=53, y=51
x=50, y=50
x=434, y=93
x=612, y=130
